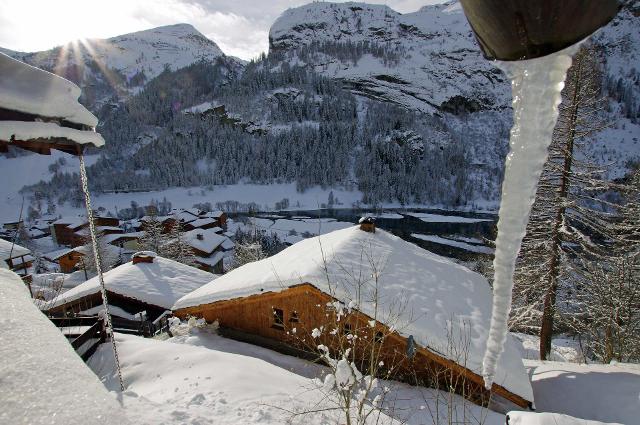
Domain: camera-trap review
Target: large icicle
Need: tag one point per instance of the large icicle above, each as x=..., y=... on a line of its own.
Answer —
x=536, y=85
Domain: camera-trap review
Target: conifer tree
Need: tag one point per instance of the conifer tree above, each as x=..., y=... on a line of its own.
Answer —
x=568, y=218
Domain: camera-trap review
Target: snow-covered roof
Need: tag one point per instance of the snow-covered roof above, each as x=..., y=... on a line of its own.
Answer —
x=439, y=293
x=54, y=255
x=43, y=379
x=72, y=222
x=31, y=90
x=11, y=250
x=203, y=222
x=159, y=283
x=213, y=260
x=117, y=236
x=185, y=216
x=209, y=241
x=27, y=130
x=107, y=228
x=214, y=214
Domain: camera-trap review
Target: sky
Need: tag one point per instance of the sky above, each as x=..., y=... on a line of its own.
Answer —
x=239, y=27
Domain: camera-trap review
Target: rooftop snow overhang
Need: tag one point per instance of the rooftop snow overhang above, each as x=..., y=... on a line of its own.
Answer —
x=39, y=111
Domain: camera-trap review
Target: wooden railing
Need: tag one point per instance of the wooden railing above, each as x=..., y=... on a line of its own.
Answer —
x=85, y=343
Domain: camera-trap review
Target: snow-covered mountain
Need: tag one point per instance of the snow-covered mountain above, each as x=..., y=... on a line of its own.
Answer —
x=402, y=107
x=122, y=65
x=427, y=60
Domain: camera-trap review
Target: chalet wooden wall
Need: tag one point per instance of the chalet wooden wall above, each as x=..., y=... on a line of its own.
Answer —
x=129, y=305
x=254, y=315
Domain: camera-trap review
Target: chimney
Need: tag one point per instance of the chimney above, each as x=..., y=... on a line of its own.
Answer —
x=368, y=224
x=143, y=257
x=199, y=237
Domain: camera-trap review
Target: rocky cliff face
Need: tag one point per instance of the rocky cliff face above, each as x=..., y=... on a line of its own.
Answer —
x=427, y=60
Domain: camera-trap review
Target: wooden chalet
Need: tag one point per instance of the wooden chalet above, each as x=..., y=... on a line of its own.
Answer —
x=71, y=231
x=210, y=249
x=148, y=283
x=168, y=222
x=278, y=302
x=67, y=259
x=39, y=111
x=16, y=257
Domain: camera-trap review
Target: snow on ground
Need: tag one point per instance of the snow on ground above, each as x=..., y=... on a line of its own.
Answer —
x=27, y=170
x=457, y=244
x=438, y=218
x=43, y=381
x=202, y=378
x=607, y=393
x=563, y=349
x=532, y=418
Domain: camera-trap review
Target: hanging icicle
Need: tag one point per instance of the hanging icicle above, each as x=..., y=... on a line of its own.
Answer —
x=536, y=86
x=98, y=262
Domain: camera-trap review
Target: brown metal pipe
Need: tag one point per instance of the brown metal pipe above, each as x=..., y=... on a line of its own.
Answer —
x=512, y=30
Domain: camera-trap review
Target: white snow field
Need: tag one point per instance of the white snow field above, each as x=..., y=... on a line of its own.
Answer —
x=42, y=380
x=606, y=393
x=440, y=296
x=159, y=283
x=202, y=378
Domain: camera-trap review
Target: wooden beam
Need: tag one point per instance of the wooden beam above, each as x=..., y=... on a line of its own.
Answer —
x=44, y=146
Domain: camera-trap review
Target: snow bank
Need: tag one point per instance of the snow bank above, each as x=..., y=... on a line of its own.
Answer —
x=439, y=293
x=31, y=90
x=43, y=379
x=200, y=377
x=530, y=418
x=597, y=392
x=159, y=283
x=21, y=130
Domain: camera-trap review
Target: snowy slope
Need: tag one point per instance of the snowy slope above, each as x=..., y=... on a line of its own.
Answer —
x=43, y=380
x=440, y=65
x=202, y=378
x=440, y=295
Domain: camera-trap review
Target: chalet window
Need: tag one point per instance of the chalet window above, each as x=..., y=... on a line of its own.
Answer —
x=294, y=317
x=379, y=337
x=278, y=318
x=346, y=330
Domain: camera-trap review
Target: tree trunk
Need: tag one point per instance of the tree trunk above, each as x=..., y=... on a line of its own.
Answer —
x=549, y=307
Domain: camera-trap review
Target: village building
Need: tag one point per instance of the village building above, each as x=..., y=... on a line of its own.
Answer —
x=204, y=223
x=72, y=231
x=67, y=260
x=414, y=303
x=16, y=257
x=168, y=222
x=209, y=248
x=148, y=283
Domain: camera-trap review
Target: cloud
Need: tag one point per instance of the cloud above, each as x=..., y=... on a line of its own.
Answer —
x=239, y=27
